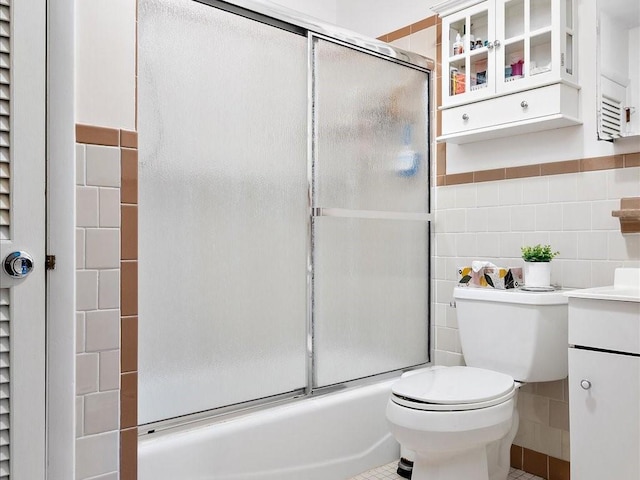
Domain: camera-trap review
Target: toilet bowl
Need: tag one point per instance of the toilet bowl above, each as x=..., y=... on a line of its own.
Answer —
x=459, y=422
x=450, y=417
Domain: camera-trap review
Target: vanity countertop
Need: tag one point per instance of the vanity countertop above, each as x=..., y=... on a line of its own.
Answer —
x=625, y=288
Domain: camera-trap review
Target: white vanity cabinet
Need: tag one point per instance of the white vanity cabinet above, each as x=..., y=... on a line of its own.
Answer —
x=498, y=48
x=604, y=381
x=604, y=391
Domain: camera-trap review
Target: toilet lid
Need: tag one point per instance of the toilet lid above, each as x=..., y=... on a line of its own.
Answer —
x=455, y=386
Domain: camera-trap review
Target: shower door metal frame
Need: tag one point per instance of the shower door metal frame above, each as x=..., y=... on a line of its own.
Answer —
x=313, y=29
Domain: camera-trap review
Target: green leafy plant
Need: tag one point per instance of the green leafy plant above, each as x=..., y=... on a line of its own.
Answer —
x=538, y=253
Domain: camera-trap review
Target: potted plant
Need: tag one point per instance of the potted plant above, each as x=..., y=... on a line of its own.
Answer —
x=537, y=266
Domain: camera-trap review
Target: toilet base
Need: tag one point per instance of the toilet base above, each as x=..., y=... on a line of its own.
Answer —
x=467, y=465
x=496, y=463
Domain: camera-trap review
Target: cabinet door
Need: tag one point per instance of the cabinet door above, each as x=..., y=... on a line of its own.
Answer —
x=528, y=36
x=469, y=67
x=605, y=417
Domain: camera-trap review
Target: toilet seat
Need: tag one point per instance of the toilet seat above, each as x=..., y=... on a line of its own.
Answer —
x=453, y=389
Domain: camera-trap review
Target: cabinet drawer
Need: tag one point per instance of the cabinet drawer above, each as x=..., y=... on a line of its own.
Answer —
x=591, y=324
x=522, y=109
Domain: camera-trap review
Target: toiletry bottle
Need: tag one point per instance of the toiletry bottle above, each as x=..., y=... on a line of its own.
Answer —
x=458, y=46
x=468, y=39
x=408, y=160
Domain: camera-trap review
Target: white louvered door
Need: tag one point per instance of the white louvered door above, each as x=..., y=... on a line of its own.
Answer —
x=22, y=227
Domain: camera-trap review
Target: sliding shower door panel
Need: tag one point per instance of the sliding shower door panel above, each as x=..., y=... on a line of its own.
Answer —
x=223, y=214
x=371, y=147
x=371, y=214
x=371, y=303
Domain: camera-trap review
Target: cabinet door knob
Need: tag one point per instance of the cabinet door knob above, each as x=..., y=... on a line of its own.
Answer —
x=496, y=43
x=490, y=46
x=465, y=117
x=524, y=104
x=586, y=384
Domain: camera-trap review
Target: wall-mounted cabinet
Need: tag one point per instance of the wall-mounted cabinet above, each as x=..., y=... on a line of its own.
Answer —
x=492, y=51
x=618, y=81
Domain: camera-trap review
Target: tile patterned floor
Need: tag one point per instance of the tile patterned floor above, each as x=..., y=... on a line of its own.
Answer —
x=388, y=472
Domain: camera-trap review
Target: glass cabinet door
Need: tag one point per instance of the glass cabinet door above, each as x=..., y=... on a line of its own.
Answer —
x=568, y=69
x=525, y=27
x=504, y=46
x=468, y=59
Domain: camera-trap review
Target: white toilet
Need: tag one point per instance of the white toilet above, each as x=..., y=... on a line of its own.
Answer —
x=460, y=421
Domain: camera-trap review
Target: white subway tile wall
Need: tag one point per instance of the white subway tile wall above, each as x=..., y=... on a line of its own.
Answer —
x=492, y=220
x=97, y=454
x=98, y=311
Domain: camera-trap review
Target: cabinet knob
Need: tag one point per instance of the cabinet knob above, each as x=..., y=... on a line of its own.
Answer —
x=586, y=384
x=465, y=117
x=490, y=46
x=496, y=43
x=524, y=104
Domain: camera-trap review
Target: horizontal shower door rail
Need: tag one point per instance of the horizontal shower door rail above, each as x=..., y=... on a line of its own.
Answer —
x=370, y=214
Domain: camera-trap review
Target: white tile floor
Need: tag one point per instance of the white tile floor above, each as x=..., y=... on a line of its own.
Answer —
x=388, y=472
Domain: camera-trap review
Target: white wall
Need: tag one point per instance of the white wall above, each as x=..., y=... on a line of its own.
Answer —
x=105, y=63
x=378, y=17
x=325, y=10
x=368, y=17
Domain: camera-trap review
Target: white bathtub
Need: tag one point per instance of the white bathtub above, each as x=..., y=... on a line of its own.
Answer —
x=330, y=437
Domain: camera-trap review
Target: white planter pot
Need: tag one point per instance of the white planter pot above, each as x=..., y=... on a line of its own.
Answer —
x=537, y=274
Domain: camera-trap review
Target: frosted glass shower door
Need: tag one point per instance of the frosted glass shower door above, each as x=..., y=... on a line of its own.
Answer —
x=371, y=215
x=223, y=209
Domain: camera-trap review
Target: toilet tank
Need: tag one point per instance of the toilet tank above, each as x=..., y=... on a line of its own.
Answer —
x=522, y=334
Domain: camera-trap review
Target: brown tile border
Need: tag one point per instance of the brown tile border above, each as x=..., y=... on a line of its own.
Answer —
x=97, y=135
x=539, y=464
x=458, y=178
x=441, y=158
x=129, y=173
x=128, y=139
x=559, y=168
x=129, y=454
x=610, y=162
x=128, y=400
x=397, y=34
x=559, y=469
x=535, y=463
x=516, y=457
x=128, y=288
x=601, y=163
x=632, y=160
x=129, y=232
x=129, y=303
x=489, y=175
x=409, y=29
x=129, y=344
x=523, y=172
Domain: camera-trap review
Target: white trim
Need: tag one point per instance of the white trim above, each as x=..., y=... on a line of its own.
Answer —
x=451, y=6
x=61, y=344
